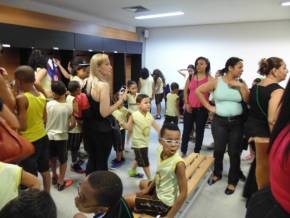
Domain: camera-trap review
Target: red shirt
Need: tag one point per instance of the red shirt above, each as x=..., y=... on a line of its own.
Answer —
x=83, y=104
x=280, y=169
x=193, y=85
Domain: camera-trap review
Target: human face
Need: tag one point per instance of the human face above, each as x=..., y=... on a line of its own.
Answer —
x=83, y=72
x=190, y=70
x=201, y=66
x=106, y=68
x=281, y=72
x=170, y=142
x=86, y=201
x=237, y=70
x=145, y=105
x=133, y=89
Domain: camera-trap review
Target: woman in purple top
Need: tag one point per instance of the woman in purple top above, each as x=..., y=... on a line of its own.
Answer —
x=194, y=111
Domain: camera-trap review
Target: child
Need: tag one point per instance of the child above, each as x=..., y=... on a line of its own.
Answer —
x=141, y=122
x=132, y=95
x=167, y=192
x=31, y=111
x=58, y=116
x=172, y=105
x=11, y=177
x=75, y=135
x=121, y=115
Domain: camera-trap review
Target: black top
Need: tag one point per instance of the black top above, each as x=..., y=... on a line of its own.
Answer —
x=1, y=104
x=257, y=122
x=121, y=210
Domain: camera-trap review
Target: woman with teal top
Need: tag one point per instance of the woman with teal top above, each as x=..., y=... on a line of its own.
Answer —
x=228, y=95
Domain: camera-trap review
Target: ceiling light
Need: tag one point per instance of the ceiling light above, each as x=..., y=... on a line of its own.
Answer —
x=115, y=52
x=287, y=3
x=55, y=48
x=90, y=50
x=149, y=16
x=6, y=45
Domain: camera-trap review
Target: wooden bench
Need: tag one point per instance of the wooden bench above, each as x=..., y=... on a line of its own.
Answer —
x=197, y=173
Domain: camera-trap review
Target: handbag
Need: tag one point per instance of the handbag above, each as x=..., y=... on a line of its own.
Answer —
x=13, y=147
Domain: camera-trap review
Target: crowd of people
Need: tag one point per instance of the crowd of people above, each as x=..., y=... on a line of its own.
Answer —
x=56, y=118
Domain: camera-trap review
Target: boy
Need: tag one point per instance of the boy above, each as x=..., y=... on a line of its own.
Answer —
x=167, y=192
x=121, y=115
x=172, y=105
x=58, y=117
x=75, y=135
x=31, y=112
x=101, y=193
x=140, y=122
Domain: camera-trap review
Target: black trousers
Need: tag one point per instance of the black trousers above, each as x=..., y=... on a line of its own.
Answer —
x=74, y=143
x=199, y=117
x=227, y=132
x=99, y=146
x=264, y=205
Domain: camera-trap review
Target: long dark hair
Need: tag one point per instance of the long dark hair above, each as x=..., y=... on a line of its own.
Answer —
x=231, y=62
x=37, y=59
x=283, y=118
x=144, y=73
x=158, y=74
x=207, y=69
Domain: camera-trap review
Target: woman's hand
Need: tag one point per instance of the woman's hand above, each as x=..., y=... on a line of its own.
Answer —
x=188, y=108
x=212, y=109
x=235, y=84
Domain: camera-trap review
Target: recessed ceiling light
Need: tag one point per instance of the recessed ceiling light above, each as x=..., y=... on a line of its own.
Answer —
x=115, y=52
x=90, y=50
x=6, y=45
x=287, y=3
x=150, y=16
x=55, y=48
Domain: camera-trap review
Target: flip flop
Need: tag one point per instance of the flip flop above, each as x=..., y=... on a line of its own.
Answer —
x=66, y=184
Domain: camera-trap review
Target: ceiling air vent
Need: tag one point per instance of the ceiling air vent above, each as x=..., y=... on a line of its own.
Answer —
x=136, y=9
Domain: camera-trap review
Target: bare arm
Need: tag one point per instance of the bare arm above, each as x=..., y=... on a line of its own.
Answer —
x=62, y=70
x=127, y=125
x=182, y=72
x=22, y=105
x=40, y=76
x=9, y=117
x=203, y=89
x=182, y=184
x=30, y=180
x=273, y=107
x=5, y=91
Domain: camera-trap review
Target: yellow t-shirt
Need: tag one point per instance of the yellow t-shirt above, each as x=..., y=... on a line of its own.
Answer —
x=166, y=180
x=141, y=129
x=10, y=178
x=171, y=109
x=121, y=115
x=35, y=117
x=132, y=104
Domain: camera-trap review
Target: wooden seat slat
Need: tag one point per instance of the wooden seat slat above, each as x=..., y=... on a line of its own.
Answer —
x=190, y=158
x=192, y=167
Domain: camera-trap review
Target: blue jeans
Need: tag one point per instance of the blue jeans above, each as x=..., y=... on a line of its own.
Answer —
x=199, y=117
x=227, y=132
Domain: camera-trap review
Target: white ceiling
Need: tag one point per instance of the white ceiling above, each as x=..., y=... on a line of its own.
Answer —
x=196, y=11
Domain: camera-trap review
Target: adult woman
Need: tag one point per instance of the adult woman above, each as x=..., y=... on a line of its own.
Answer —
x=228, y=94
x=159, y=83
x=146, y=83
x=194, y=110
x=38, y=61
x=275, y=201
x=97, y=130
x=264, y=99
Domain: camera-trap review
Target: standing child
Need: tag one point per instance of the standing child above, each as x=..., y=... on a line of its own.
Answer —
x=75, y=135
x=58, y=116
x=32, y=115
x=141, y=122
x=172, y=105
x=166, y=194
x=121, y=115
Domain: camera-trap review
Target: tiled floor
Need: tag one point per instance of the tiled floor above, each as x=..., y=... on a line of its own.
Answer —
x=211, y=202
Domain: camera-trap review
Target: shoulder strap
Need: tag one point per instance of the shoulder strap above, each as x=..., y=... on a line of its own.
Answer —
x=258, y=102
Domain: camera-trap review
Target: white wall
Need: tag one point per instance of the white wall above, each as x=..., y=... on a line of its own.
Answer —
x=170, y=49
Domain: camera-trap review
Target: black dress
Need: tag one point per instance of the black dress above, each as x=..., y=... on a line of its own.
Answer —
x=98, y=140
x=257, y=126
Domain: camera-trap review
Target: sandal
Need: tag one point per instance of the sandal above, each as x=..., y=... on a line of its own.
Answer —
x=212, y=181
x=230, y=191
x=66, y=184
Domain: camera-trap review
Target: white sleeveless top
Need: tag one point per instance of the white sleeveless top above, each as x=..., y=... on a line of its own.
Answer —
x=147, y=86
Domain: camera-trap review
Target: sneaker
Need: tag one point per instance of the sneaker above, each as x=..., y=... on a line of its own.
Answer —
x=157, y=117
x=77, y=168
x=135, y=174
x=116, y=164
x=66, y=184
x=114, y=160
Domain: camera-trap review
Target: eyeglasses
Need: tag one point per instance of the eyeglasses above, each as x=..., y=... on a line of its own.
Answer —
x=171, y=142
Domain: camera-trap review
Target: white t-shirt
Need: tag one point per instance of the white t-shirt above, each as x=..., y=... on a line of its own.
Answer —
x=57, y=124
x=159, y=86
x=147, y=86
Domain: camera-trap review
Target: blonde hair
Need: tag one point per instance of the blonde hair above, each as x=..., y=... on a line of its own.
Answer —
x=95, y=75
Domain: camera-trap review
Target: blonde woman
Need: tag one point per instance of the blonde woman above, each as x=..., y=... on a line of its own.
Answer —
x=97, y=129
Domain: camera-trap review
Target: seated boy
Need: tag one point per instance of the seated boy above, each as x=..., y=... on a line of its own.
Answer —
x=167, y=192
x=101, y=193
